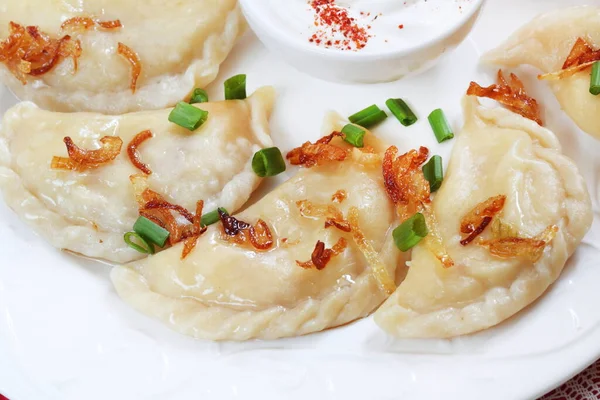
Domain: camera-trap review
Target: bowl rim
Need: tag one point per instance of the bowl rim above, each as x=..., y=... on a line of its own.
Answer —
x=252, y=11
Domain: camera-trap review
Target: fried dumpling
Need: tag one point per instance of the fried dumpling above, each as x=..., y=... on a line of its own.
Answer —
x=179, y=45
x=543, y=212
x=228, y=291
x=546, y=43
x=88, y=211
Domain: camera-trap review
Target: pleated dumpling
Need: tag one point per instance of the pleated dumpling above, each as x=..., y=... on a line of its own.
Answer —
x=522, y=208
x=88, y=211
x=230, y=291
x=179, y=45
x=546, y=43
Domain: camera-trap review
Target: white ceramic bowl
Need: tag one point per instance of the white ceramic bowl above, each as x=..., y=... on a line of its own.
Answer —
x=357, y=66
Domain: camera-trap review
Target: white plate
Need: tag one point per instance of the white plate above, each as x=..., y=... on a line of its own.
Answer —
x=64, y=333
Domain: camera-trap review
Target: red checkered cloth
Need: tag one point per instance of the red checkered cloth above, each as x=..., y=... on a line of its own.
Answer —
x=585, y=386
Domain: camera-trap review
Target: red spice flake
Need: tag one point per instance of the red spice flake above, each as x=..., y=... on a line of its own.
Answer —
x=80, y=159
x=582, y=57
x=322, y=151
x=511, y=94
x=27, y=51
x=401, y=26
x=239, y=232
x=133, y=154
x=136, y=66
x=478, y=219
x=321, y=255
x=331, y=19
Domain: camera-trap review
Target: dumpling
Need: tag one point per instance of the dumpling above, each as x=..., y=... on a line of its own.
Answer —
x=226, y=291
x=180, y=46
x=498, y=154
x=546, y=43
x=89, y=211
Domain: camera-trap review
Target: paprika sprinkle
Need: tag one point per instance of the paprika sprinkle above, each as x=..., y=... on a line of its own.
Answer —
x=336, y=28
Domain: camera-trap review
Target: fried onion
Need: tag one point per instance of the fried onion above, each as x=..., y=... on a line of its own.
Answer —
x=321, y=255
x=134, y=155
x=136, y=66
x=27, y=51
x=318, y=153
x=478, y=219
x=530, y=249
x=85, y=23
x=239, y=232
x=511, y=94
x=339, y=196
x=333, y=216
x=582, y=57
x=81, y=160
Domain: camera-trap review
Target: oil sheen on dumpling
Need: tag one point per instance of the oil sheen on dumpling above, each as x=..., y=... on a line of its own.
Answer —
x=181, y=45
x=546, y=43
x=88, y=212
x=497, y=153
x=226, y=292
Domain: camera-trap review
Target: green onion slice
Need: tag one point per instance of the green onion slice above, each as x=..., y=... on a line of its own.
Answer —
x=595, y=82
x=434, y=173
x=411, y=232
x=402, y=111
x=440, y=125
x=199, y=96
x=369, y=117
x=354, y=135
x=188, y=116
x=151, y=232
x=235, y=88
x=143, y=247
x=268, y=162
x=212, y=217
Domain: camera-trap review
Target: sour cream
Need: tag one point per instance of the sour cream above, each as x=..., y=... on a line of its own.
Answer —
x=391, y=25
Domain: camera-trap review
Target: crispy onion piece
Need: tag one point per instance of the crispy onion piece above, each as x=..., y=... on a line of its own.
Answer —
x=582, y=57
x=197, y=230
x=134, y=155
x=322, y=151
x=516, y=247
x=386, y=282
x=27, y=51
x=339, y=196
x=333, y=216
x=136, y=66
x=239, y=232
x=511, y=94
x=85, y=23
x=477, y=220
x=81, y=160
x=404, y=180
x=321, y=255
x=434, y=241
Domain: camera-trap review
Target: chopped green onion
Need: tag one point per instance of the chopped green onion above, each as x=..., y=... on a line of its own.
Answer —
x=151, y=232
x=411, y=232
x=144, y=247
x=354, y=135
x=235, y=88
x=402, y=111
x=595, y=82
x=368, y=117
x=199, y=96
x=268, y=162
x=212, y=217
x=434, y=173
x=440, y=126
x=188, y=116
